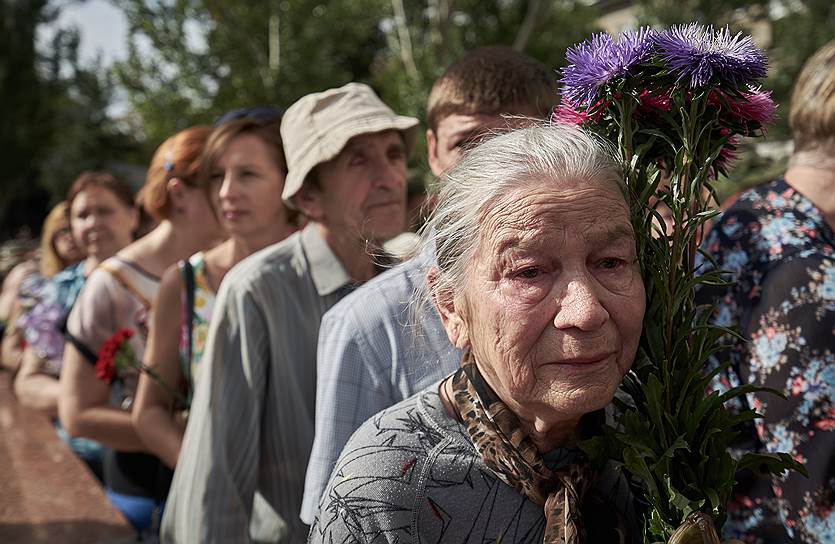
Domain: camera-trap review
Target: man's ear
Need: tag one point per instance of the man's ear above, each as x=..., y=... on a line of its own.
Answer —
x=451, y=314
x=432, y=152
x=308, y=200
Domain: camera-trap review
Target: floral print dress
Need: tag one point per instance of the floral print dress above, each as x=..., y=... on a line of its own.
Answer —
x=49, y=301
x=778, y=249
x=191, y=347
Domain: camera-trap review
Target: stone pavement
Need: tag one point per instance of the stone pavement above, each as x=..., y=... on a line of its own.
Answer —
x=46, y=493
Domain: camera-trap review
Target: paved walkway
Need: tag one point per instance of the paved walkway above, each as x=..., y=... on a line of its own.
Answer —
x=46, y=493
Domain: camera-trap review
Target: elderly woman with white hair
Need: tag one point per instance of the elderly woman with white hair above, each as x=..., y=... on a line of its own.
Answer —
x=538, y=282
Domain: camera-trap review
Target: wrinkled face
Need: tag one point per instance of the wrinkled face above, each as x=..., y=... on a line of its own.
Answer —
x=554, y=300
x=362, y=192
x=456, y=132
x=101, y=223
x=64, y=244
x=246, y=189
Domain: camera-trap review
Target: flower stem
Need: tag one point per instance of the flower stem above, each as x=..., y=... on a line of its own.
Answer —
x=141, y=367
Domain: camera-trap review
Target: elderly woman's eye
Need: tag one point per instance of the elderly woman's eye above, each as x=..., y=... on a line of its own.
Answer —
x=612, y=263
x=529, y=273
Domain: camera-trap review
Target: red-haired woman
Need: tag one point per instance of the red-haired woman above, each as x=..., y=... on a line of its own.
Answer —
x=119, y=295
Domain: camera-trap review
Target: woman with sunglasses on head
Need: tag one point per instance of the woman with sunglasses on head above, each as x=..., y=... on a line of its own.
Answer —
x=95, y=403
x=244, y=172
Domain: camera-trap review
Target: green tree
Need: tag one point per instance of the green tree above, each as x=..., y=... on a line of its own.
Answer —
x=22, y=130
x=54, y=112
x=805, y=27
x=82, y=133
x=190, y=61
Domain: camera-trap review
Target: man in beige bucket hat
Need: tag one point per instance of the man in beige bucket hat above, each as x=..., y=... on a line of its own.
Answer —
x=251, y=421
x=372, y=352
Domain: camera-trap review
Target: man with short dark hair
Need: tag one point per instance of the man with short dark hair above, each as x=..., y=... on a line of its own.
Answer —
x=371, y=354
x=251, y=421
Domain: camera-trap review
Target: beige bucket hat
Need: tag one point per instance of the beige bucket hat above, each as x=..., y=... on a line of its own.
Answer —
x=316, y=128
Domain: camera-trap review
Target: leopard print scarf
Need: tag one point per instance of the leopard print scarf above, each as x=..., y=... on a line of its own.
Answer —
x=511, y=455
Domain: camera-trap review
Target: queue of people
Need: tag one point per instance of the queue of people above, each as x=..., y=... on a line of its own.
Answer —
x=291, y=381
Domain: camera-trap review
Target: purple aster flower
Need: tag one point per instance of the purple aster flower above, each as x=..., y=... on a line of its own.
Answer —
x=600, y=59
x=703, y=55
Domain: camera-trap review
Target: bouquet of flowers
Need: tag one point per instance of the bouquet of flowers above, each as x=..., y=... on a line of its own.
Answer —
x=676, y=103
x=116, y=353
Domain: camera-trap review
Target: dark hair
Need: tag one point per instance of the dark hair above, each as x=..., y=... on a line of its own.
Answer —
x=105, y=180
x=492, y=80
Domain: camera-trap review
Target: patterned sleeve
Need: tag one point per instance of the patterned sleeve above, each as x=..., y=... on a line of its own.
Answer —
x=348, y=392
x=729, y=246
x=792, y=349
x=212, y=492
x=752, y=512
x=372, y=495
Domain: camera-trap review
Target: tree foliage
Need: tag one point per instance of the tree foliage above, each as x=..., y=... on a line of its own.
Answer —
x=55, y=114
x=190, y=61
x=22, y=100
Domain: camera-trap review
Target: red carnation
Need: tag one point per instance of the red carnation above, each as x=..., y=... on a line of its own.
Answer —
x=106, y=363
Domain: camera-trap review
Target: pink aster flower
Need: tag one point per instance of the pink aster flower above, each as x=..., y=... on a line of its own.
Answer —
x=754, y=106
x=566, y=114
x=651, y=101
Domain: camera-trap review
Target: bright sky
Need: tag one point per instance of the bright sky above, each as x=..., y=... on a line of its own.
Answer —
x=103, y=28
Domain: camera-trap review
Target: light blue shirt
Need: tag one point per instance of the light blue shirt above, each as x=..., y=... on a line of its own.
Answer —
x=373, y=354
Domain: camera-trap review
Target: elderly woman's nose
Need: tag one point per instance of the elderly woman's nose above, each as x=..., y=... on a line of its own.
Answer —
x=580, y=308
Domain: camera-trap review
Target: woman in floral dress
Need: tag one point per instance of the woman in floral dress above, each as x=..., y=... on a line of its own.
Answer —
x=777, y=243
x=58, y=250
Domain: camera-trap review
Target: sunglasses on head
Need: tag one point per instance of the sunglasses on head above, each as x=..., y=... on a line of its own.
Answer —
x=262, y=114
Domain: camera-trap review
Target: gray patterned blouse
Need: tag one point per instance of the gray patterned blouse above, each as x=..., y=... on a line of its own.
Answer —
x=411, y=474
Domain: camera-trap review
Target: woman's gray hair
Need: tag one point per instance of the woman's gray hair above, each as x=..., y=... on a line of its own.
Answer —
x=490, y=171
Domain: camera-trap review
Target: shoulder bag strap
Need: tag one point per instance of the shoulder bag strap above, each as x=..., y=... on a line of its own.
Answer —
x=188, y=278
